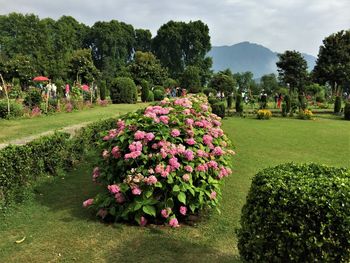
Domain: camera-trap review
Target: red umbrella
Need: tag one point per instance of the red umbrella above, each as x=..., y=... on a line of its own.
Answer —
x=41, y=78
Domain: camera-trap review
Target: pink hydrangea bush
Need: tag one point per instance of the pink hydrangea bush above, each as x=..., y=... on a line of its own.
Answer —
x=162, y=164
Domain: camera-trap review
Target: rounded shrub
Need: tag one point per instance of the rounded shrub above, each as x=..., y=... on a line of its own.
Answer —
x=123, y=90
x=288, y=103
x=213, y=100
x=33, y=98
x=209, y=91
x=150, y=96
x=264, y=114
x=158, y=94
x=297, y=213
x=218, y=109
x=16, y=110
x=337, y=104
x=347, y=111
x=144, y=90
x=161, y=164
x=239, y=105
x=302, y=102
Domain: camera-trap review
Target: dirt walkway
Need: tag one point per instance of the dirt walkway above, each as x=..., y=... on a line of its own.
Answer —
x=69, y=129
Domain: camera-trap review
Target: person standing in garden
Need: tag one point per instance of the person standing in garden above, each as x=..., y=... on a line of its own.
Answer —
x=280, y=99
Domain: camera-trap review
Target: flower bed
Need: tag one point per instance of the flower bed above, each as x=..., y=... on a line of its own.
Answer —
x=162, y=163
x=264, y=114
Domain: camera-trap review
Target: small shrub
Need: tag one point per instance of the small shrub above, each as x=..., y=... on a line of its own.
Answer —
x=264, y=114
x=229, y=101
x=158, y=94
x=33, y=98
x=320, y=99
x=347, y=111
x=213, y=100
x=305, y=114
x=144, y=90
x=218, y=109
x=16, y=110
x=150, y=97
x=302, y=102
x=161, y=164
x=337, y=104
x=239, y=104
x=123, y=90
x=288, y=103
x=297, y=213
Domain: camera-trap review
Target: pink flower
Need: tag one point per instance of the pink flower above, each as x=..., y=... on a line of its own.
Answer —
x=151, y=180
x=189, y=122
x=149, y=136
x=95, y=173
x=201, y=153
x=135, y=146
x=139, y=135
x=204, y=107
x=213, y=164
x=105, y=154
x=119, y=197
x=102, y=213
x=189, y=155
x=188, y=168
x=164, y=119
x=88, y=202
x=186, y=177
x=173, y=222
x=213, y=195
x=190, y=141
x=216, y=123
x=218, y=151
x=114, y=188
x=132, y=155
x=207, y=139
x=190, y=133
x=143, y=221
x=187, y=112
x=183, y=210
x=173, y=162
x=116, y=152
x=165, y=212
x=202, y=168
x=175, y=133
x=159, y=168
x=136, y=191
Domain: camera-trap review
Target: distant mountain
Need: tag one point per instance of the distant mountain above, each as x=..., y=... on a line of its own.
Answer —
x=246, y=56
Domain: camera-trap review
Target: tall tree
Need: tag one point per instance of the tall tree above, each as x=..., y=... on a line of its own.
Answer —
x=244, y=80
x=333, y=62
x=143, y=40
x=112, y=45
x=190, y=79
x=223, y=82
x=146, y=66
x=179, y=44
x=269, y=83
x=292, y=70
x=81, y=66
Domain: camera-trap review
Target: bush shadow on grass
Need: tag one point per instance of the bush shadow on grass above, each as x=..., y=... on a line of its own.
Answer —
x=67, y=192
x=157, y=246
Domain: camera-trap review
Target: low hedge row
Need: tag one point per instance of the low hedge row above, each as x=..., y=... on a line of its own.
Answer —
x=297, y=213
x=21, y=166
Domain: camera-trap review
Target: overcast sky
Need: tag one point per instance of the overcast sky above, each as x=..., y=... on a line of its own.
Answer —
x=276, y=24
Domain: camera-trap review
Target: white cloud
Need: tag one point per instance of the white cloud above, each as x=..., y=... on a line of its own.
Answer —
x=277, y=24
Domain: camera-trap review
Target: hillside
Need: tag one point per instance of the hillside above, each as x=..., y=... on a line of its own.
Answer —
x=246, y=56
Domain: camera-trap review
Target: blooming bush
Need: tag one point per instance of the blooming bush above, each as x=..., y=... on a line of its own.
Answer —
x=264, y=114
x=162, y=163
x=305, y=114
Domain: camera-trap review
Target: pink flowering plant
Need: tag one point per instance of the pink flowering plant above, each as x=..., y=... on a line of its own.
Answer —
x=162, y=164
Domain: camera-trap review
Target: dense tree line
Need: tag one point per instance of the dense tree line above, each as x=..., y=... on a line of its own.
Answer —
x=69, y=50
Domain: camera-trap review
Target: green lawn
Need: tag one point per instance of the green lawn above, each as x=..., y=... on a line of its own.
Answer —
x=58, y=229
x=18, y=128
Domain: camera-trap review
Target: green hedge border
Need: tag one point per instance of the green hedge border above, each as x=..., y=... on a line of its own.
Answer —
x=21, y=166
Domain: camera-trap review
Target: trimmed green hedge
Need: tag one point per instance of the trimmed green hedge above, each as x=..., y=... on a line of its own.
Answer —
x=297, y=213
x=347, y=111
x=21, y=166
x=218, y=109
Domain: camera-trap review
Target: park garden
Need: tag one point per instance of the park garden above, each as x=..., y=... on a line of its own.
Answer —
x=169, y=161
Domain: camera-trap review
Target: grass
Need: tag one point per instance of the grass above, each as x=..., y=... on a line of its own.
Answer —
x=58, y=229
x=18, y=128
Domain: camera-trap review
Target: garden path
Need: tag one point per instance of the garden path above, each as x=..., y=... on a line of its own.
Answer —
x=72, y=129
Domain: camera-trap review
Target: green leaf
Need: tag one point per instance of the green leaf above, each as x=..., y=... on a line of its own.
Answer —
x=158, y=184
x=176, y=188
x=150, y=210
x=182, y=197
x=192, y=207
x=137, y=206
x=149, y=193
